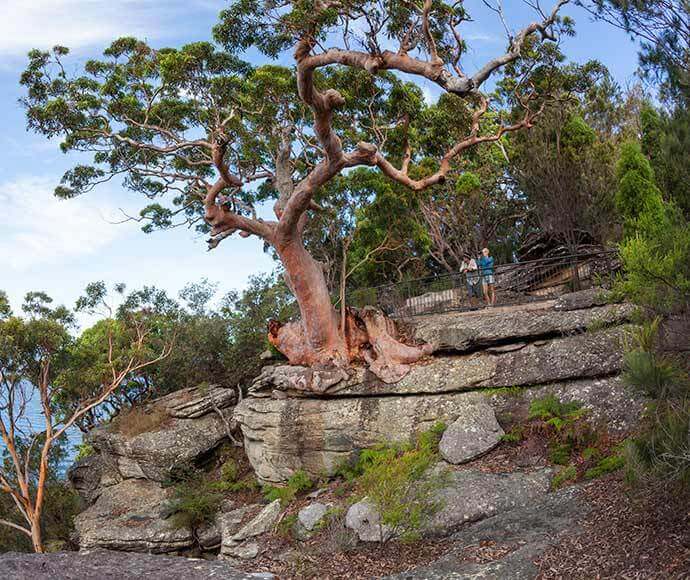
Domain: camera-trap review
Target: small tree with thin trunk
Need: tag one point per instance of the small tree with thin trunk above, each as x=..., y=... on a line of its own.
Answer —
x=193, y=128
x=34, y=351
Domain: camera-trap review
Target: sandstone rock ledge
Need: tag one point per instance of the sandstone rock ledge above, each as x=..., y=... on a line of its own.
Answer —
x=571, y=348
x=128, y=506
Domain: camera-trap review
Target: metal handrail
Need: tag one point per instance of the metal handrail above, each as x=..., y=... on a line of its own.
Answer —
x=515, y=283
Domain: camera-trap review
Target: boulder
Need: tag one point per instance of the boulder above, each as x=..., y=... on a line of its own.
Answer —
x=230, y=522
x=471, y=435
x=470, y=495
x=131, y=516
x=184, y=437
x=260, y=524
x=238, y=539
x=465, y=331
x=582, y=299
x=310, y=516
x=194, y=402
x=244, y=551
x=364, y=519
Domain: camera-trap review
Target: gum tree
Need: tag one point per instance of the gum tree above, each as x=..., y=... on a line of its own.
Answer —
x=205, y=136
x=36, y=352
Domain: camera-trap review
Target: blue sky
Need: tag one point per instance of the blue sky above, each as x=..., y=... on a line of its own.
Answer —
x=60, y=246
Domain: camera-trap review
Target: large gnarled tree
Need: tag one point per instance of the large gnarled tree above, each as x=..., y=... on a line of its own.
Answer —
x=218, y=135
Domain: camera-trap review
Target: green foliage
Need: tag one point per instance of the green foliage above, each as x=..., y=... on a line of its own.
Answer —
x=57, y=523
x=574, y=146
x=565, y=425
x=662, y=451
x=515, y=435
x=84, y=450
x=560, y=453
x=193, y=504
x=297, y=483
x=286, y=526
x=656, y=259
x=564, y=476
x=637, y=193
x=550, y=407
x=649, y=373
x=666, y=142
x=229, y=472
x=606, y=465
x=396, y=479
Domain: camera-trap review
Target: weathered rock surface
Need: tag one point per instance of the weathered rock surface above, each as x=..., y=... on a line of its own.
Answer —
x=590, y=354
x=241, y=543
x=583, y=299
x=110, y=565
x=260, y=524
x=465, y=331
x=310, y=516
x=471, y=435
x=282, y=436
x=194, y=428
x=364, y=519
x=123, y=479
x=131, y=516
x=90, y=475
x=472, y=495
x=610, y=403
x=529, y=529
x=194, y=402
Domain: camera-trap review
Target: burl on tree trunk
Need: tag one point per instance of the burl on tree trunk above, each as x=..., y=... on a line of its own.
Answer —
x=318, y=340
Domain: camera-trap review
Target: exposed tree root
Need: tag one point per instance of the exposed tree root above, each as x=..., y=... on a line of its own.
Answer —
x=370, y=337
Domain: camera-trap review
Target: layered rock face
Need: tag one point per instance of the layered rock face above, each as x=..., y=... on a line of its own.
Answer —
x=570, y=347
x=122, y=482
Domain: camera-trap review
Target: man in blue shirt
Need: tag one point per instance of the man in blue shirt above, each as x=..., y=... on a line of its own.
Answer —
x=486, y=268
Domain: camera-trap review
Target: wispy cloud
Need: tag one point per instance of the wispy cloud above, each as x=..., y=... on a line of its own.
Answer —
x=38, y=228
x=27, y=24
x=483, y=37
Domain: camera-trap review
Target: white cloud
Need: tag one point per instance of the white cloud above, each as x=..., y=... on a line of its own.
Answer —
x=27, y=24
x=38, y=228
x=76, y=23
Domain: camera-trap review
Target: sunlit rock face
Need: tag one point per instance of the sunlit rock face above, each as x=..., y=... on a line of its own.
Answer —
x=571, y=347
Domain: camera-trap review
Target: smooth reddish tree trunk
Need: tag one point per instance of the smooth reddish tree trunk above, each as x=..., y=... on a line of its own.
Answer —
x=316, y=339
x=320, y=340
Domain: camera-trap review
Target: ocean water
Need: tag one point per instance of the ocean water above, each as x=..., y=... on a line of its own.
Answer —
x=34, y=415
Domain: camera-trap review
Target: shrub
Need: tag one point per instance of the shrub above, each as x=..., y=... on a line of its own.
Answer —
x=396, y=480
x=606, y=465
x=193, y=504
x=662, y=451
x=565, y=426
x=298, y=482
x=549, y=407
x=229, y=471
x=287, y=525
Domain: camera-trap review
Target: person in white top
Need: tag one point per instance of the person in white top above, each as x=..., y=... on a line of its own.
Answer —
x=474, y=280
